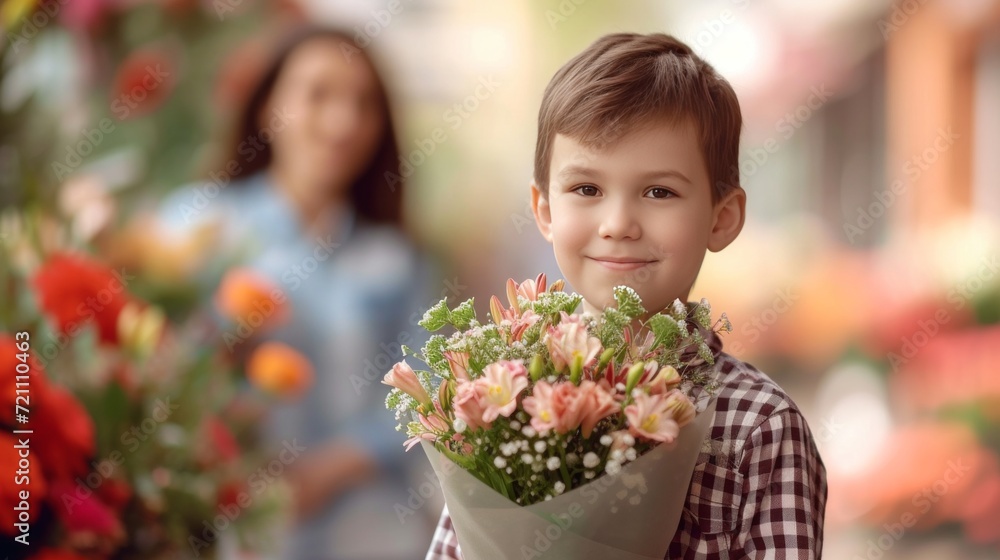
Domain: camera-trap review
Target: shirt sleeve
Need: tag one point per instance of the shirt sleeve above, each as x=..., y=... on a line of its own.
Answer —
x=785, y=491
x=444, y=545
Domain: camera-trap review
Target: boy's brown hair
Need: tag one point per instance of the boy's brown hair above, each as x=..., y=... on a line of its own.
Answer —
x=624, y=80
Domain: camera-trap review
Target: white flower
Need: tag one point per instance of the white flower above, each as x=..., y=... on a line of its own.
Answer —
x=612, y=468
x=606, y=439
x=527, y=458
x=500, y=462
x=559, y=487
x=630, y=454
x=539, y=446
x=529, y=431
x=680, y=308
x=616, y=455
x=628, y=440
x=459, y=425
x=591, y=460
x=552, y=463
x=514, y=424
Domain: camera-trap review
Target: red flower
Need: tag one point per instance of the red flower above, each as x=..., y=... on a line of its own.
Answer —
x=116, y=493
x=73, y=290
x=228, y=495
x=11, y=484
x=83, y=512
x=68, y=444
x=222, y=445
x=12, y=366
x=144, y=81
x=57, y=554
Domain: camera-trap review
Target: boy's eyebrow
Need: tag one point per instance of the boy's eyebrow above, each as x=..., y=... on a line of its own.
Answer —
x=574, y=169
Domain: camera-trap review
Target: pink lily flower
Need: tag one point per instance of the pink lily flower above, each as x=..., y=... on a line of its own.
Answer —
x=425, y=436
x=666, y=378
x=458, y=363
x=498, y=388
x=649, y=417
x=595, y=405
x=517, y=320
x=570, y=339
x=680, y=407
x=403, y=378
x=467, y=407
x=554, y=407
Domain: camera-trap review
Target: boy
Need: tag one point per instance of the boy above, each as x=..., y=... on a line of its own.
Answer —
x=636, y=176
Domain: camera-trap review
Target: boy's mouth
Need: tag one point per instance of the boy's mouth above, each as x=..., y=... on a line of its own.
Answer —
x=620, y=263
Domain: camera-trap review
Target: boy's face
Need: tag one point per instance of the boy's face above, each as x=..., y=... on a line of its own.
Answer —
x=638, y=213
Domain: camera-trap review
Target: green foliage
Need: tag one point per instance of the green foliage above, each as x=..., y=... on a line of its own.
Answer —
x=462, y=316
x=703, y=314
x=436, y=317
x=550, y=304
x=433, y=353
x=610, y=327
x=666, y=330
x=629, y=302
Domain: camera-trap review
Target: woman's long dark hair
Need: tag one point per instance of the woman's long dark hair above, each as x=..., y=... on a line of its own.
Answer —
x=375, y=199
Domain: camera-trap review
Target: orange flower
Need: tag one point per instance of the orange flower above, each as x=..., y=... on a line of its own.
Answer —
x=246, y=296
x=280, y=369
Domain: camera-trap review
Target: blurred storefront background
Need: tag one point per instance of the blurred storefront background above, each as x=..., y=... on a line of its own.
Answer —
x=866, y=281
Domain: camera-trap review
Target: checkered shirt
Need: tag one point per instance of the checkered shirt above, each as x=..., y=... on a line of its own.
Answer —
x=759, y=485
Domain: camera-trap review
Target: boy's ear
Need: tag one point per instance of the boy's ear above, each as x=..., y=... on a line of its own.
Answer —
x=730, y=214
x=540, y=208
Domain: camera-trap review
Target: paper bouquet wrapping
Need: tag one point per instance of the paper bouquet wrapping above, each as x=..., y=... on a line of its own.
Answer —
x=559, y=435
x=631, y=515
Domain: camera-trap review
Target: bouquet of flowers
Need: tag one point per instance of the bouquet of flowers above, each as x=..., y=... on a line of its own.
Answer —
x=589, y=424
x=133, y=434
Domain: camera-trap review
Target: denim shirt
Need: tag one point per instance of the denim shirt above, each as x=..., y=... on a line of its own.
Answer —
x=355, y=294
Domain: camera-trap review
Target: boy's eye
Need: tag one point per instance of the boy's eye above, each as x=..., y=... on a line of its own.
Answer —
x=586, y=190
x=660, y=192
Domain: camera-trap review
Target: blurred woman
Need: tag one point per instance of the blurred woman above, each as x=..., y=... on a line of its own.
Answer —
x=311, y=196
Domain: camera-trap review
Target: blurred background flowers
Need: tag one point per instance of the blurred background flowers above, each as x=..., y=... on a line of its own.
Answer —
x=869, y=266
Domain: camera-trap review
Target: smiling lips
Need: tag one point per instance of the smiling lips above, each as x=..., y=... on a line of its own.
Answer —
x=620, y=263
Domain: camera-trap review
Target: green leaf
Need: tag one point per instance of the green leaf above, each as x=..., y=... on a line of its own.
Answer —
x=433, y=353
x=551, y=303
x=436, y=317
x=609, y=330
x=666, y=331
x=463, y=315
x=629, y=302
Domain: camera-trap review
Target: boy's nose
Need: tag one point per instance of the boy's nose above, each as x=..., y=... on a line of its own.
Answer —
x=620, y=223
